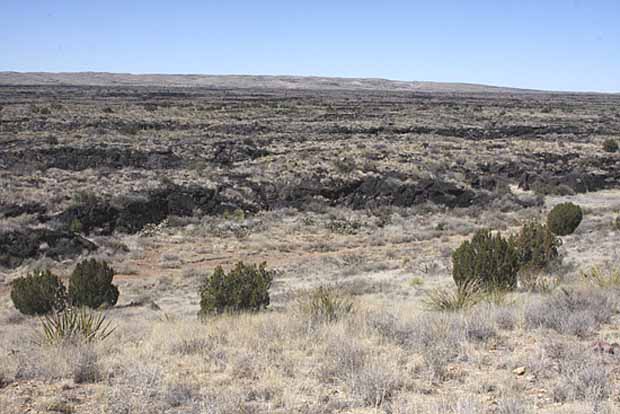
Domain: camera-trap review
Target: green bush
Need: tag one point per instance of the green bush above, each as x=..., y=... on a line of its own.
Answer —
x=564, y=218
x=610, y=145
x=244, y=288
x=536, y=246
x=38, y=293
x=488, y=260
x=91, y=284
x=617, y=223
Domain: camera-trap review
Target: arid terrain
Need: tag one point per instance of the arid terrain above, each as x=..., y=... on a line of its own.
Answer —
x=364, y=186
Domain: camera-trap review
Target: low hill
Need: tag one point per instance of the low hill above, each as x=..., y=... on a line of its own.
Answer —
x=242, y=81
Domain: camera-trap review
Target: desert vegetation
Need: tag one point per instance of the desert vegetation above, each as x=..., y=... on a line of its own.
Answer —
x=177, y=250
x=564, y=219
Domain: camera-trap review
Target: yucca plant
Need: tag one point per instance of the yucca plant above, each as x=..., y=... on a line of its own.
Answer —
x=323, y=305
x=464, y=296
x=75, y=324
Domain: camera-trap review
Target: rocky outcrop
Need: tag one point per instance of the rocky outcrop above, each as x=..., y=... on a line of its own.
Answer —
x=370, y=192
x=130, y=213
x=17, y=246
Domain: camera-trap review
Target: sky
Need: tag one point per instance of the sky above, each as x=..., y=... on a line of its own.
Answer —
x=544, y=44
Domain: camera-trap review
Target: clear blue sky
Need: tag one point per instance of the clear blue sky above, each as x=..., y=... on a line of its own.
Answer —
x=546, y=44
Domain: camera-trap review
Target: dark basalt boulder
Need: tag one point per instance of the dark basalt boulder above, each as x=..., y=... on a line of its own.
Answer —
x=242, y=128
x=485, y=182
x=17, y=246
x=371, y=192
x=381, y=191
x=80, y=158
x=90, y=216
x=130, y=213
x=507, y=131
x=134, y=213
x=16, y=210
x=229, y=152
x=578, y=182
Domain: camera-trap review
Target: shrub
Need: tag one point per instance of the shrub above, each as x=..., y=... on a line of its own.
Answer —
x=246, y=287
x=390, y=327
x=192, y=346
x=343, y=357
x=536, y=246
x=617, y=223
x=487, y=259
x=91, y=284
x=440, y=339
x=511, y=405
x=582, y=376
x=480, y=325
x=181, y=393
x=75, y=325
x=86, y=369
x=505, y=317
x=38, y=293
x=323, y=305
x=577, y=312
x=564, y=218
x=610, y=145
x=376, y=383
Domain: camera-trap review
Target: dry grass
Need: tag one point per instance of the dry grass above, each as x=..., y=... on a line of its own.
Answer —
x=603, y=278
x=368, y=359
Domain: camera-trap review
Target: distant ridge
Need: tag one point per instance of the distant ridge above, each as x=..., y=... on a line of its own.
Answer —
x=243, y=81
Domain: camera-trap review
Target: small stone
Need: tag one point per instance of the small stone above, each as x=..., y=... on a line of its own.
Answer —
x=519, y=371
